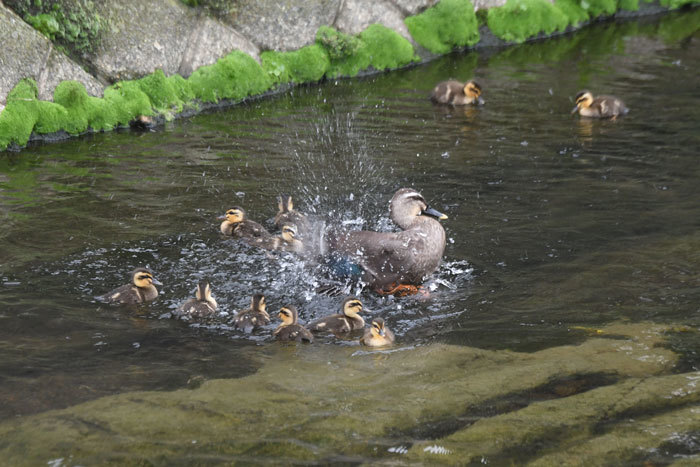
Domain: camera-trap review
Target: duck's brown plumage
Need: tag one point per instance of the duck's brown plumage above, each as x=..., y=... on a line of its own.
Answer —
x=378, y=335
x=140, y=290
x=599, y=107
x=404, y=257
x=236, y=223
x=202, y=306
x=254, y=317
x=290, y=329
x=346, y=321
x=453, y=92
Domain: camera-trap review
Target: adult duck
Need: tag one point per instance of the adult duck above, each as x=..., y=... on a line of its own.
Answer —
x=396, y=262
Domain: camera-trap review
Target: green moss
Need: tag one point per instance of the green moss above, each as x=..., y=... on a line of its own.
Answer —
x=305, y=65
x=387, y=48
x=73, y=25
x=518, y=20
x=348, y=54
x=166, y=94
x=629, y=5
x=20, y=114
x=128, y=101
x=84, y=111
x=51, y=117
x=597, y=8
x=235, y=76
x=573, y=10
x=449, y=24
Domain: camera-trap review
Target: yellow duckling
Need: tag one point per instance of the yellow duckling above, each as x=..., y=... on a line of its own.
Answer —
x=253, y=317
x=202, y=306
x=377, y=335
x=236, y=224
x=142, y=289
x=287, y=214
x=456, y=93
x=599, y=107
x=348, y=320
x=290, y=330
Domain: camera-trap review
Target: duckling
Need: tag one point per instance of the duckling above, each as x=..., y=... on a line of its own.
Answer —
x=377, y=335
x=599, y=107
x=456, y=93
x=202, y=306
x=238, y=225
x=347, y=321
x=391, y=260
x=287, y=214
x=290, y=330
x=142, y=289
x=253, y=317
x=286, y=241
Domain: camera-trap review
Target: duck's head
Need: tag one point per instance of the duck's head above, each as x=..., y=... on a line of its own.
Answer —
x=234, y=215
x=583, y=99
x=352, y=306
x=258, y=303
x=472, y=89
x=407, y=204
x=142, y=277
x=289, y=233
x=285, y=204
x=288, y=315
x=203, y=293
x=377, y=328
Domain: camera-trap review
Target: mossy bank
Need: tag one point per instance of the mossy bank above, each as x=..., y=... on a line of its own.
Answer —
x=448, y=25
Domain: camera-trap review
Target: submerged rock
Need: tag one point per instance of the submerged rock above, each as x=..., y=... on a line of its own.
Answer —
x=315, y=403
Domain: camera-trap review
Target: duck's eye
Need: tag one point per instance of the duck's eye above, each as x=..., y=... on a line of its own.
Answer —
x=143, y=277
x=356, y=305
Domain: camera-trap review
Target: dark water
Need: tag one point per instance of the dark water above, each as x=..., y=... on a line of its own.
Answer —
x=555, y=221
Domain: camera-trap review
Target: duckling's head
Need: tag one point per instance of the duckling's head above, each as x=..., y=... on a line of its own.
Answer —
x=235, y=215
x=377, y=328
x=142, y=277
x=258, y=302
x=583, y=99
x=285, y=204
x=407, y=204
x=472, y=89
x=289, y=233
x=352, y=306
x=288, y=315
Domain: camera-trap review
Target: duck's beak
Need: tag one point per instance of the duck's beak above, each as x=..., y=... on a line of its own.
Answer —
x=221, y=218
x=573, y=111
x=155, y=281
x=382, y=333
x=434, y=213
x=481, y=101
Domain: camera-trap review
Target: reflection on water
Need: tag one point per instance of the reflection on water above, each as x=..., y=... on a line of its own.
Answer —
x=555, y=221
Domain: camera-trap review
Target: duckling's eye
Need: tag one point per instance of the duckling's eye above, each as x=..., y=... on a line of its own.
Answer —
x=143, y=277
x=356, y=305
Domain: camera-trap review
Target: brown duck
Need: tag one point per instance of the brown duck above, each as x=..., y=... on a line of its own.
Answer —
x=346, y=321
x=378, y=335
x=599, y=107
x=290, y=330
x=456, y=93
x=142, y=289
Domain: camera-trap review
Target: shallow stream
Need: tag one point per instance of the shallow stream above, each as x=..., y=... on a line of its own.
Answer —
x=563, y=234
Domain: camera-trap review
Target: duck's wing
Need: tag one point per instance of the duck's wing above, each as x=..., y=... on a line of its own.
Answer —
x=294, y=332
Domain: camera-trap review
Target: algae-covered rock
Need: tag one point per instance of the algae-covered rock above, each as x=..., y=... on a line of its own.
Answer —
x=315, y=403
x=25, y=53
x=282, y=25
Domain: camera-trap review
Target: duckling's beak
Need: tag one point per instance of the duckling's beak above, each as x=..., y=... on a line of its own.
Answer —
x=481, y=101
x=382, y=333
x=221, y=218
x=434, y=213
x=155, y=281
x=573, y=111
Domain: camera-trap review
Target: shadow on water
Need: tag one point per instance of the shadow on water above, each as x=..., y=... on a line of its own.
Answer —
x=557, y=224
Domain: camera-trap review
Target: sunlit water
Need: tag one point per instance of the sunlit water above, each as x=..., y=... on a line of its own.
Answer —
x=554, y=221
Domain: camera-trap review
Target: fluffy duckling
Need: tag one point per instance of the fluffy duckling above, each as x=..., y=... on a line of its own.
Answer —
x=377, y=335
x=456, y=93
x=202, y=306
x=236, y=224
x=287, y=214
x=347, y=321
x=599, y=107
x=287, y=240
x=290, y=330
x=253, y=317
x=142, y=289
